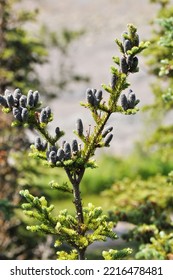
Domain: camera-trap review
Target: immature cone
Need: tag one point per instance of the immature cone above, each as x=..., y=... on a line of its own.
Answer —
x=131, y=99
x=130, y=60
x=52, y=148
x=17, y=114
x=127, y=45
x=79, y=127
x=90, y=97
x=43, y=116
x=16, y=95
x=113, y=81
x=108, y=139
x=134, y=64
x=36, y=97
x=106, y=131
x=57, y=131
x=30, y=99
x=38, y=144
x=98, y=95
x=60, y=154
x=48, y=111
x=53, y=157
x=124, y=102
x=23, y=101
x=67, y=151
x=123, y=65
x=24, y=114
x=74, y=146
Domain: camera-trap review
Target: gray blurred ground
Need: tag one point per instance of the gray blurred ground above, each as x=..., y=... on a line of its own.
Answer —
x=103, y=20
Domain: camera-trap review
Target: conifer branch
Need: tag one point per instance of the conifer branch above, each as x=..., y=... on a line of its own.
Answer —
x=74, y=158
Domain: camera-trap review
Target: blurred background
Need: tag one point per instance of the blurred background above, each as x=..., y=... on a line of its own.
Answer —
x=61, y=48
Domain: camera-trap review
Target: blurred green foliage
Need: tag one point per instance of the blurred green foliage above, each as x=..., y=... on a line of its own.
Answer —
x=129, y=193
x=19, y=51
x=160, y=248
x=139, y=164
